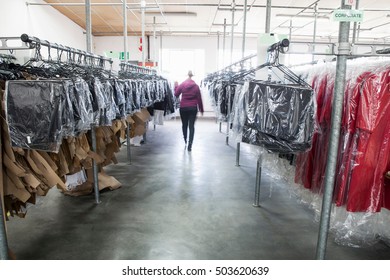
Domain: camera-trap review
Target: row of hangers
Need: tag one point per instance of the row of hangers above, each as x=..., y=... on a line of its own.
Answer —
x=273, y=52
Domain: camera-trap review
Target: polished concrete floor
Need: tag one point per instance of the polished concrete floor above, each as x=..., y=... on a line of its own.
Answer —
x=178, y=205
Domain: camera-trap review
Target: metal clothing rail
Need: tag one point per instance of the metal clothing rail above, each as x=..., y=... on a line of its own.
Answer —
x=128, y=67
x=34, y=42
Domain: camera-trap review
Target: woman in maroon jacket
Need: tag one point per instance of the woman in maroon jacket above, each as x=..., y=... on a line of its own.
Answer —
x=190, y=103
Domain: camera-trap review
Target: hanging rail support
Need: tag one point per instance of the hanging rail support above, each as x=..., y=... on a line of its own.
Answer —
x=95, y=167
x=257, y=184
x=238, y=154
x=338, y=99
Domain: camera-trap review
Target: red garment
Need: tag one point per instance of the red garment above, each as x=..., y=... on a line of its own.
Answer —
x=309, y=165
x=372, y=146
x=364, y=152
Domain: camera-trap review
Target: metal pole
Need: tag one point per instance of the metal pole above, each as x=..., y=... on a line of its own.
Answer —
x=338, y=98
x=224, y=42
x=238, y=154
x=128, y=144
x=268, y=17
x=228, y=117
x=143, y=5
x=124, y=10
x=94, y=166
x=244, y=30
x=257, y=184
x=88, y=25
x=355, y=24
x=220, y=126
x=315, y=30
x=218, y=50
x=161, y=51
x=232, y=35
x=154, y=42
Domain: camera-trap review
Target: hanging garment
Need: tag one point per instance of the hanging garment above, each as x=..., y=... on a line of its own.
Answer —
x=371, y=146
x=34, y=111
x=279, y=117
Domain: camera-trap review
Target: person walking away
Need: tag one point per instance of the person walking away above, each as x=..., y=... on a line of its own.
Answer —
x=190, y=104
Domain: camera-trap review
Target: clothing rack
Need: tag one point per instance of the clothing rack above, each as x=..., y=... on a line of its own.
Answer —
x=129, y=67
x=93, y=59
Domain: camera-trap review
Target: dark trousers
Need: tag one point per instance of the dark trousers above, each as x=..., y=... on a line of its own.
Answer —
x=188, y=117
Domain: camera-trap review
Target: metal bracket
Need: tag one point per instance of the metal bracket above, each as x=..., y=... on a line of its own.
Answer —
x=24, y=46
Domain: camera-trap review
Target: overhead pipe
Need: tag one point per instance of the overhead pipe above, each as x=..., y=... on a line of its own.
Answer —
x=136, y=6
x=338, y=99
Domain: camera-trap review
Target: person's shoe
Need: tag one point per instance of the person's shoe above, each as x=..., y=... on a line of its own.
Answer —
x=189, y=147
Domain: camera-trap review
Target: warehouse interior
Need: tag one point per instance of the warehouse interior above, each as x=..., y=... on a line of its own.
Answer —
x=290, y=159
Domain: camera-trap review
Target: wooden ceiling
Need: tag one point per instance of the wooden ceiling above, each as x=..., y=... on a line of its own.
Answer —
x=178, y=17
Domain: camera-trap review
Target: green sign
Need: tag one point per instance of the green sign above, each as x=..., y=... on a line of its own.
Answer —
x=115, y=54
x=348, y=15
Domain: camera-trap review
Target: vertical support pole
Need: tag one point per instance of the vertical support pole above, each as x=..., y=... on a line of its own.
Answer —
x=88, y=25
x=355, y=24
x=315, y=30
x=218, y=50
x=154, y=42
x=220, y=127
x=128, y=142
x=124, y=11
x=228, y=117
x=338, y=98
x=143, y=6
x=256, y=202
x=94, y=167
x=161, y=51
x=244, y=29
x=238, y=154
x=232, y=35
x=224, y=42
x=268, y=17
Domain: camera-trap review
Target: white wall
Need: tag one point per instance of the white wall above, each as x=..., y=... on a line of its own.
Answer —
x=43, y=22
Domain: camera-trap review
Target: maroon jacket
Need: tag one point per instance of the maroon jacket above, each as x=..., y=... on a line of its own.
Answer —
x=190, y=95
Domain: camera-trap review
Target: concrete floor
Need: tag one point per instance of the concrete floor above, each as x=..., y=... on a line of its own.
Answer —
x=178, y=205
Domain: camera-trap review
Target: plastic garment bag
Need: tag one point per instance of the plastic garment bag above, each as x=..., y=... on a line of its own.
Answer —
x=82, y=106
x=279, y=117
x=34, y=111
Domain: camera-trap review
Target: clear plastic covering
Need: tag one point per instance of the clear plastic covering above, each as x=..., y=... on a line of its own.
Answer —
x=279, y=117
x=34, y=111
x=82, y=106
x=360, y=214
